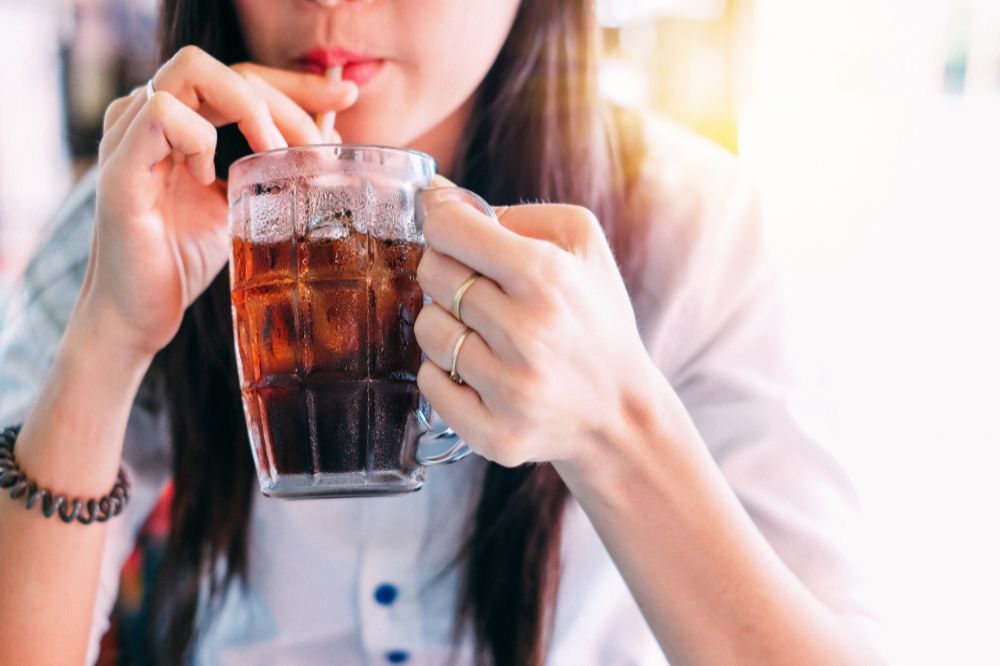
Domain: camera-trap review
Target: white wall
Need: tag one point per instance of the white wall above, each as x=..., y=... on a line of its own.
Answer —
x=883, y=205
x=34, y=165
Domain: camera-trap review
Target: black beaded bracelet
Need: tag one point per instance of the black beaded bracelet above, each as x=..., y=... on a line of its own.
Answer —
x=12, y=477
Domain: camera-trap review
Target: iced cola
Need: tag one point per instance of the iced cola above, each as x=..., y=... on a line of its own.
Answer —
x=328, y=356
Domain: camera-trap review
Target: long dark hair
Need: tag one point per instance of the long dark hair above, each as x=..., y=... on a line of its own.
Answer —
x=538, y=132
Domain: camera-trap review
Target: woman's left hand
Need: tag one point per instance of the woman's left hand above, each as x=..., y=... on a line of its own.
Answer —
x=554, y=349
x=556, y=371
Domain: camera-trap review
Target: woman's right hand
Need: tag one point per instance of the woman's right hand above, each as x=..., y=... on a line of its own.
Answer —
x=161, y=232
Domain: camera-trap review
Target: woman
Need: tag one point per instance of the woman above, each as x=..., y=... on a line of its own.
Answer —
x=681, y=510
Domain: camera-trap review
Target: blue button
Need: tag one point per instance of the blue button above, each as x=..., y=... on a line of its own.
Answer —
x=397, y=656
x=385, y=594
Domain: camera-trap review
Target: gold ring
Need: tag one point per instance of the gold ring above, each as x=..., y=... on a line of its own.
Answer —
x=456, y=301
x=455, y=377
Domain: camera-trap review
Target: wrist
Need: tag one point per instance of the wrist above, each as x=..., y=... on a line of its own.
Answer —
x=648, y=423
x=92, y=339
x=71, y=442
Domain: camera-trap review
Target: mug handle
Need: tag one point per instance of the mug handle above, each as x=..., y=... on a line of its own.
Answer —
x=457, y=449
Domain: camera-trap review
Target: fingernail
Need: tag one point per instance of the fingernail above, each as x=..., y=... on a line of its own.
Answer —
x=432, y=197
x=341, y=84
x=350, y=89
x=277, y=140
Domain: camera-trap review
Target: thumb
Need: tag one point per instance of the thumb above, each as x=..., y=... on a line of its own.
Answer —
x=440, y=181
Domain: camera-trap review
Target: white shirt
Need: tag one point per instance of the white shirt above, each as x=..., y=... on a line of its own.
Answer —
x=359, y=581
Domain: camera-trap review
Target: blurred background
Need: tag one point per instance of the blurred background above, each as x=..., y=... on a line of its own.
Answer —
x=872, y=128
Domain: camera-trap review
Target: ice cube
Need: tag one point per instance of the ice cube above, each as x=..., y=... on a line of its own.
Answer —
x=396, y=258
x=271, y=214
x=333, y=319
x=329, y=212
x=392, y=212
x=391, y=341
x=345, y=257
x=272, y=325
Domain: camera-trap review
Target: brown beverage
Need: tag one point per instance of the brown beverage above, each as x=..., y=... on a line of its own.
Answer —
x=330, y=385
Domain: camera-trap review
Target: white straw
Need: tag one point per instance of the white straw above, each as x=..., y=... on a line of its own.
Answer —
x=326, y=119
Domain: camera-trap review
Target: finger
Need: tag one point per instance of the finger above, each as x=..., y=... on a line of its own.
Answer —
x=312, y=92
x=465, y=234
x=440, y=181
x=459, y=405
x=165, y=126
x=437, y=333
x=117, y=119
x=220, y=94
x=571, y=228
x=483, y=307
x=119, y=107
x=297, y=126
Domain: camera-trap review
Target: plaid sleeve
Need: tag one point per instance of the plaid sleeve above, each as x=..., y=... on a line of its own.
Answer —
x=41, y=303
x=37, y=314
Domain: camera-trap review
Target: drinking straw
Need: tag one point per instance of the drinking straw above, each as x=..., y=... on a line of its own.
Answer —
x=326, y=119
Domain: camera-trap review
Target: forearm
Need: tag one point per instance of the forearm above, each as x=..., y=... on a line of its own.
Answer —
x=70, y=444
x=709, y=585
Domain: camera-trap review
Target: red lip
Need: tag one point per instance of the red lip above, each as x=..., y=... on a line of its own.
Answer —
x=358, y=67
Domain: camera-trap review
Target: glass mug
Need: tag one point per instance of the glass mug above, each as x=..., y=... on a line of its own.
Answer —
x=325, y=246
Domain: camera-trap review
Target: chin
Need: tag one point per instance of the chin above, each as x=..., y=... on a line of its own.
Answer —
x=355, y=126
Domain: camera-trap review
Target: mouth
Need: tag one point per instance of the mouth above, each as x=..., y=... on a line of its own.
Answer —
x=358, y=67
